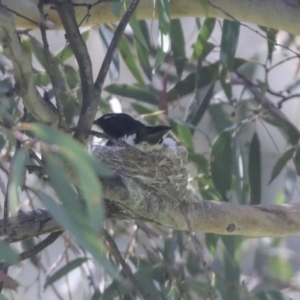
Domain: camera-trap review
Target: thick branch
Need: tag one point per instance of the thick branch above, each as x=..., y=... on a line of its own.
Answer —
x=13, y=49
x=278, y=14
x=90, y=97
x=204, y=216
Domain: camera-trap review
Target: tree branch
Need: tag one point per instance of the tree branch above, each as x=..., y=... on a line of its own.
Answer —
x=114, y=44
x=24, y=76
x=278, y=14
x=90, y=97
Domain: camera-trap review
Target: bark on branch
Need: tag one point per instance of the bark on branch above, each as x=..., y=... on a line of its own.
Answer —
x=204, y=216
x=278, y=14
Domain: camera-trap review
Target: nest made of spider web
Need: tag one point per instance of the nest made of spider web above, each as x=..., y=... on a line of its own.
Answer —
x=156, y=180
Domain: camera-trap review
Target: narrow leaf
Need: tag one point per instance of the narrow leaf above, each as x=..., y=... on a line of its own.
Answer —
x=18, y=174
x=230, y=36
x=66, y=52
x=88, y=239
x=130, y=60
x=200, y=104
x=203, y=77
x=221, y=163
x=185, y=136
x=144, y=94
x=286, y=127
x=254, y=169
x=203, y=36
x=143, y=57
x=281, y=162
x=178, y=45
x=135, y=25
x=65, y=270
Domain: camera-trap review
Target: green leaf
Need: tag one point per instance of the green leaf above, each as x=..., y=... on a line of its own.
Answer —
x=178, y=45
x=88, y=239
x=66, y=52
x=230, y=36
x=63, y=188
x=9, y=255
x=200, y=104
x=17, y=175
x=271, y=39
x=281, y=162
x=203, y=77
x=286, y=127
x=211, y=241
x=130, y=59
x=41, y=78
x=65, y=270
x=226, y=82
x=184, y=134
x=220, y=118
x=221, y=163
x=145, y=94
x=239, y=185
x=67, y=147
x=164, y=21
x=135, y=25
x=203, y=36
x=203, y=290
x=72, y=77
x=254, y=169
x=296, y=160
x=143, y=57
x=200, y=161
x=278, y=263
x=90, y=190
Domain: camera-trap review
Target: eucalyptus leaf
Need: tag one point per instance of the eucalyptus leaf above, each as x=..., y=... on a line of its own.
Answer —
x=204, y=77
x=141, y=93
x=203, y=36
x=66, y=52
x=130, y=59
x=281, y=162
x=255, y=170
x=70, y=266
x=230, y=37
x=178, y=45
x=221, y=163
x=18, y=171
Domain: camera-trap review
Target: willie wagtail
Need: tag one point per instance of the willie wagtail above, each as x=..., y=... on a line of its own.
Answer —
x=125, y=128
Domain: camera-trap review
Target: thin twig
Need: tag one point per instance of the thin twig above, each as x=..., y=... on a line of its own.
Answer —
x=50, y=239
x=231, y=17
x=117, y=255
x=114, y=44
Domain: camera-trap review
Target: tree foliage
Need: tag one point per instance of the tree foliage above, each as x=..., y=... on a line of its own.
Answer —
x=46, y=163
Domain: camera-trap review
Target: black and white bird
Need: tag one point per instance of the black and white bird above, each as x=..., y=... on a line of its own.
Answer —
x=125, y=128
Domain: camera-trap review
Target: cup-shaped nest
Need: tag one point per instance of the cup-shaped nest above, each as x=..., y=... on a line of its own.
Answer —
x=156, y=180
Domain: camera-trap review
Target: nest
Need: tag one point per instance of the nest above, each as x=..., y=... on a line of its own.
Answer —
x=156, y=181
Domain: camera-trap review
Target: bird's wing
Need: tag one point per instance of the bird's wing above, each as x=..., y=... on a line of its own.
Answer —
x=151, y=134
